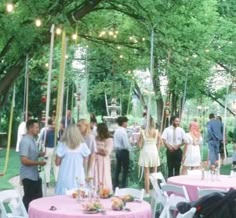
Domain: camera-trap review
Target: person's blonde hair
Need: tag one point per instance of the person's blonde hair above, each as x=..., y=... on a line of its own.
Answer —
x=72, y=136
x=86, y=124
x=151, y=130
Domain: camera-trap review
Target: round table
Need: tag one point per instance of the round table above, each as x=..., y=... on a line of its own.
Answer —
x=66, y=206
x=191, y=182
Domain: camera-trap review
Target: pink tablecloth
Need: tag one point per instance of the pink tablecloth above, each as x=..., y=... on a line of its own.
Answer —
x=68, y=207
x=192, y=182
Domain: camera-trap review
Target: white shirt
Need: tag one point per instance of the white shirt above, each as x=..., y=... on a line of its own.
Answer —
x=121, y=140
x=174, y=139
x=21, y=132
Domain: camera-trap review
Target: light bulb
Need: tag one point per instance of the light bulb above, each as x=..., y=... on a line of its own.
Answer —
x=46, y=65
x=66, y=56
x=74, y=36
x=38, y=22
x=110, y=33
x=58, y=31
x=121, y=56
x=9, y=7
x=102, y=34
x=143, y=39
x=118, y=47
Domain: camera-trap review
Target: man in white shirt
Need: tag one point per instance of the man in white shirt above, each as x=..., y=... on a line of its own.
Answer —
x=122, y=147
x=173, y=138
x=22, y=130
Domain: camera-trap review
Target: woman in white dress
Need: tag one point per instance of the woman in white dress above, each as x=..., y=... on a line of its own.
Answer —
x=192, y=154
x=149, y=153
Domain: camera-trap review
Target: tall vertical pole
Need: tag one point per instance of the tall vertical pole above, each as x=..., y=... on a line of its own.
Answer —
x=151, y=74
x=61, y=82
x=152, y=54
x=50, y=74
x=26, y=89
x=67, y=100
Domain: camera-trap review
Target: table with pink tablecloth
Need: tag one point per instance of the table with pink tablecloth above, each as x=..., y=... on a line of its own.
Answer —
x=67, y=207
x=191, y=182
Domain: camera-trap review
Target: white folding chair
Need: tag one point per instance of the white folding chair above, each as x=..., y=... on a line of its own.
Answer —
x=158, y=199
x=174, y=194
x=11, y=205
x=188, y=214
x=206, y=191
x=158, y=176
x=136, y=193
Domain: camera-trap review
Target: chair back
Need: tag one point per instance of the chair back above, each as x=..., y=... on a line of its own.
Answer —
x=188, y=214
x=207, y=191
x=176, y=190
x=136, y=193
x=158, y=176
x=11, y=205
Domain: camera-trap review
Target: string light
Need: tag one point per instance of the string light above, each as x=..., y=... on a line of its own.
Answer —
x=46, y=65
x=121, y=56
x=66, y=56
x=143, y=39
x=9, y=7
x=38, y=22
x=58, y=31
x=102, y=33
x=118, y=47
x=110, y=33
x=129, y=71
x=74, y=36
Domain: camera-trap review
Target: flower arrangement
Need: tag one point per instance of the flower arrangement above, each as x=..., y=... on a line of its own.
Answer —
x=117, y=203
x=93, y=206
x=127, y=198
x=105, y=193
x=78, y=193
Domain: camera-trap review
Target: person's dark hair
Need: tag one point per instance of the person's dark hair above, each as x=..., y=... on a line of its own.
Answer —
x=211, y=116
x=27, y=115
x=30, y=123
x=93, y=118
x=50, y=121
x=121, y=120
x=102, y=131
x=172, y=119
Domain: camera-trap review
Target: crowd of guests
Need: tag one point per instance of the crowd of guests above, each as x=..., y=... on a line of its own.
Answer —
x=83, y=152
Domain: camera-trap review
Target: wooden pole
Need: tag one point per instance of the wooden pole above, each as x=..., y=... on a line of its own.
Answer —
x=49, y=74
x=61, y=82
x=10, y=131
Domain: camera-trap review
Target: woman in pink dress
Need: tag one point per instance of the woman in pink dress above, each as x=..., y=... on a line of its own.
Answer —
x=102, y=160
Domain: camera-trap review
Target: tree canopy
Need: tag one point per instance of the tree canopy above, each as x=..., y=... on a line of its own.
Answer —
x=191, y=38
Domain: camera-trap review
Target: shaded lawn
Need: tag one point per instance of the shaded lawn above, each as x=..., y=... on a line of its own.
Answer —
x=12, y=170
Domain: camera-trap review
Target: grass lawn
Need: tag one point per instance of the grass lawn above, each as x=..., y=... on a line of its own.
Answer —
x=12, y=170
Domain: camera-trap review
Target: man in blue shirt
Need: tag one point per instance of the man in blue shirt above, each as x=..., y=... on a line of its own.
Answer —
x=214, y=136
x=29, y=163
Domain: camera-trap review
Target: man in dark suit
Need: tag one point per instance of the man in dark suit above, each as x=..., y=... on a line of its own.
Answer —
x=214, y=136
